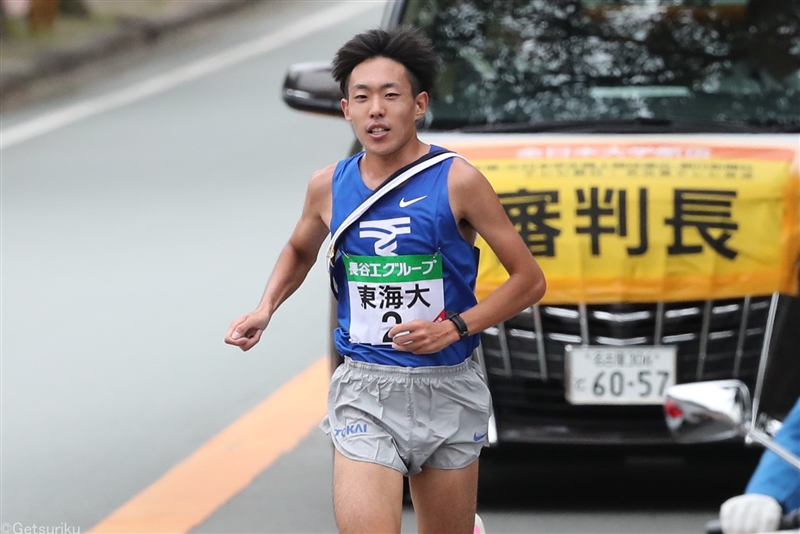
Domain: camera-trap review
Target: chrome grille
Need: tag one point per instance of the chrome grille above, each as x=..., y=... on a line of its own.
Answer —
x=715, y=339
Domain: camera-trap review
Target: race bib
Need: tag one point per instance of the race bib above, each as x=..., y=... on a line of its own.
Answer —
x=387, y=290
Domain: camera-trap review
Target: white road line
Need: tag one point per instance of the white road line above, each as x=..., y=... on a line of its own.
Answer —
x=58, y=119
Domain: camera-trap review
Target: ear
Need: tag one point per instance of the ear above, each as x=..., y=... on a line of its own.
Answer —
x=421, y=105
x=345, y=109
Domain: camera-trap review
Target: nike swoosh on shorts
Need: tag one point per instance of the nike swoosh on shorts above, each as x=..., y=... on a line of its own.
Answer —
x=404, y=203
x=478, y=437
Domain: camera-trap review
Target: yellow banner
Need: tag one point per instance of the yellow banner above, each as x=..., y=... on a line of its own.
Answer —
x=642, y=223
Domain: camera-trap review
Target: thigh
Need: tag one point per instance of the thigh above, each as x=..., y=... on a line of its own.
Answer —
x=445, y=499
x=367, y=417
x=367, y=497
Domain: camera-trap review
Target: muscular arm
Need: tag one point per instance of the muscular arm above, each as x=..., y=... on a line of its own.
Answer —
x=474, y=202
x=294, y=262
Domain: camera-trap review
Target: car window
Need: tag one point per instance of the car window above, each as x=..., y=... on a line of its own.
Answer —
x=506, y=61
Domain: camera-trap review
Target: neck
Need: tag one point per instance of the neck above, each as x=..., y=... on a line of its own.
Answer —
x=375, y=168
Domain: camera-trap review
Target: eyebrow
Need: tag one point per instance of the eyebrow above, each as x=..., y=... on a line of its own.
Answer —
x=384, y=86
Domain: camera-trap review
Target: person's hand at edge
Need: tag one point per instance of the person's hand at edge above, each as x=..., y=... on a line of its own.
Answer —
x=750, y=513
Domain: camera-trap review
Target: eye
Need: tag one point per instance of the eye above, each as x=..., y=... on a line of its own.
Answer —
x=392, y=95
x=360, y=97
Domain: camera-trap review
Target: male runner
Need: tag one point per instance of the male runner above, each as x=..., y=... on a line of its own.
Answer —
x=408, y=400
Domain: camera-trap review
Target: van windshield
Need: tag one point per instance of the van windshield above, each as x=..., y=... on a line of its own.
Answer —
x=551, y=61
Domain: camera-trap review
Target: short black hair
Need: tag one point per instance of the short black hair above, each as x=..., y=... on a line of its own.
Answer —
x=404, y=44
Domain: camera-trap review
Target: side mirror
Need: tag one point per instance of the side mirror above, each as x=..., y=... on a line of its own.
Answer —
x=311, y=87
x=707, y=411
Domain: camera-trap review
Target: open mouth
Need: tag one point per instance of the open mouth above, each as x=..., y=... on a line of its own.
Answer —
x=378, y=130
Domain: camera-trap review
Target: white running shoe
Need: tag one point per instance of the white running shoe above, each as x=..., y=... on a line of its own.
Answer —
x=479, y=528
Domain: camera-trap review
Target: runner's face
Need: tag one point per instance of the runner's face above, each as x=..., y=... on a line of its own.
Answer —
x=381, y=105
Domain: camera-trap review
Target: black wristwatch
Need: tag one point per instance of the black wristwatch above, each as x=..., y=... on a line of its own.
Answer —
x=461, y=326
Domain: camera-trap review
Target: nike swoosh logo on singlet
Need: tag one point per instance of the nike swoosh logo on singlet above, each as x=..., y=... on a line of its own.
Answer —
x=404, y=203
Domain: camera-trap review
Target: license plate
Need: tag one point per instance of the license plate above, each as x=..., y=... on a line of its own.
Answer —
x=618, y=375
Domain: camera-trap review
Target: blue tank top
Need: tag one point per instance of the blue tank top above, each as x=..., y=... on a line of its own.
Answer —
x=408, y=237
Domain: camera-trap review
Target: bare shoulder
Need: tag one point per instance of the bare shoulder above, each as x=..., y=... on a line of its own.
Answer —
x=467, y=187
x=321, y=180
x=464, y=174
x=319, y=196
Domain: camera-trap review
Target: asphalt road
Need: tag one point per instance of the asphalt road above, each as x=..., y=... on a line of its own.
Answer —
x=132, y=237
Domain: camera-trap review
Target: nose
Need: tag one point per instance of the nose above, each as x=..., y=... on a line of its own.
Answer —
x=376, y=109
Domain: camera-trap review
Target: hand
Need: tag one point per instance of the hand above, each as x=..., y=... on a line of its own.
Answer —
x=246, y=331
x=423, y=337
x=750, y=513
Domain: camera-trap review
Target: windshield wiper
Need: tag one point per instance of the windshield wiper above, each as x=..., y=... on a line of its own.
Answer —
x=634, y=125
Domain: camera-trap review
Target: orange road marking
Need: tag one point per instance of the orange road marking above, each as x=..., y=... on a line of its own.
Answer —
x=195, y=488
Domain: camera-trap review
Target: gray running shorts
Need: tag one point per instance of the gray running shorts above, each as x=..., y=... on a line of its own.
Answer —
x=409, y=417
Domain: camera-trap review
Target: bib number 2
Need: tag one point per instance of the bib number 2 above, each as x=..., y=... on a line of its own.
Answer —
x=387, y=318
x=389, y=290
